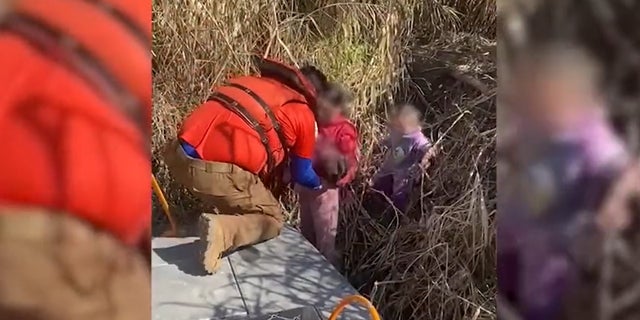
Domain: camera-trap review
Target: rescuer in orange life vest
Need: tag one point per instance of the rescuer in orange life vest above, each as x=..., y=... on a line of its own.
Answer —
x=235, y=144
x=75, y=118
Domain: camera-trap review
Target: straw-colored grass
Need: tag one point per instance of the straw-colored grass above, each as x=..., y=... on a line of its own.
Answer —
x=428, y=52
x=442, y=267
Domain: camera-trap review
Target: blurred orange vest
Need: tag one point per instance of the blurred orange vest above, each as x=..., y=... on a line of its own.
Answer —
x=75, y=111
x=239, y=123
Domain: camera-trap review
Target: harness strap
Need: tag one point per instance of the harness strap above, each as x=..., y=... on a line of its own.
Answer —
x=79, y=60
x=233, y=106
x=267, y=110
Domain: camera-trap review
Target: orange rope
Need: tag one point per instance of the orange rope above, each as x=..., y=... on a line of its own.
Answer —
x=164, y=204
x=354, y=299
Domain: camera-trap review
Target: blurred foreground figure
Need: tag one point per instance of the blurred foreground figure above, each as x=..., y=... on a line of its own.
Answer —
x=562, y=157
x=74, y=172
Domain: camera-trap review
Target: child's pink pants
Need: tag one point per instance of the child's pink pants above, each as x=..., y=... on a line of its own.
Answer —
x=319, y=219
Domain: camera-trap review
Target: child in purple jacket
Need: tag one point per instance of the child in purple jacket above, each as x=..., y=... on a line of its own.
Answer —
x=561, y=159
x=409, y=151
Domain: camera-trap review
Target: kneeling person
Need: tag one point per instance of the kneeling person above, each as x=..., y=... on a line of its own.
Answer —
x=234, y=143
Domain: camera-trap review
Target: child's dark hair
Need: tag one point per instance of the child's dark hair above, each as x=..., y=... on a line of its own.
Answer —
x=331, y=92
x=317, y=78
x=337, y=95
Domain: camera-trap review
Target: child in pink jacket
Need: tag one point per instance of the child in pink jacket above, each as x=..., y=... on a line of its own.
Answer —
x=336, y=162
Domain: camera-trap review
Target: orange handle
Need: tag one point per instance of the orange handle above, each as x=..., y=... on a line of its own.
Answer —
x=354, y=299
x=164, y=204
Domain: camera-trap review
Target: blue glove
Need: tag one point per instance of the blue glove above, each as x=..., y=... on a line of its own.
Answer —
x=303, y=174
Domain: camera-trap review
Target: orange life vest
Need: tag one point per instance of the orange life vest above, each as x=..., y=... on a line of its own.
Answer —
x=251, y=102
x=75, y=111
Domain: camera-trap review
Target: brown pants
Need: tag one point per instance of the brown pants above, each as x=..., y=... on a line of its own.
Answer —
x=55, y=267
x=248, y=211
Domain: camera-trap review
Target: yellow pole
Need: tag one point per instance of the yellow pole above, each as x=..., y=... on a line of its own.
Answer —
x=354, y=299
x=164, y=204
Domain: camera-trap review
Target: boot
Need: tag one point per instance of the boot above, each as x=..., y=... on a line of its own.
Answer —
x=212, y=236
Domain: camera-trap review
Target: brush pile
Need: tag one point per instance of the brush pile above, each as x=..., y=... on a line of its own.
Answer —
x=441, y=267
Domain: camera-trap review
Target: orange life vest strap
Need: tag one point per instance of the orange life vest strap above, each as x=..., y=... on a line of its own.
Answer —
x=267, y=110
x=77, y=59
x=287, y=75
x=233, y=106
x=119, y=10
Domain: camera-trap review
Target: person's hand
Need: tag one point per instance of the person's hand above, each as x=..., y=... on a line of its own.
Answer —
x=343, y=170
x=615, y=216
x=616, y=213
x=433, y=152
x=334, y=167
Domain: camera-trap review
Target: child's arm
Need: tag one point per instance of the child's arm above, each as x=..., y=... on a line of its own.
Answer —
x=347, y=144
x=616, y=214
x=431, y=152
x=426, y=152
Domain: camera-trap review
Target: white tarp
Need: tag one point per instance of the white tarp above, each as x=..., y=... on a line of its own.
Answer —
x=280, y=274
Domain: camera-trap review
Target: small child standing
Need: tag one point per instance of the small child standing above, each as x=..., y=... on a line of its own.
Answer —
x=336, y=162
x=563, y=157
x=409, y=151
